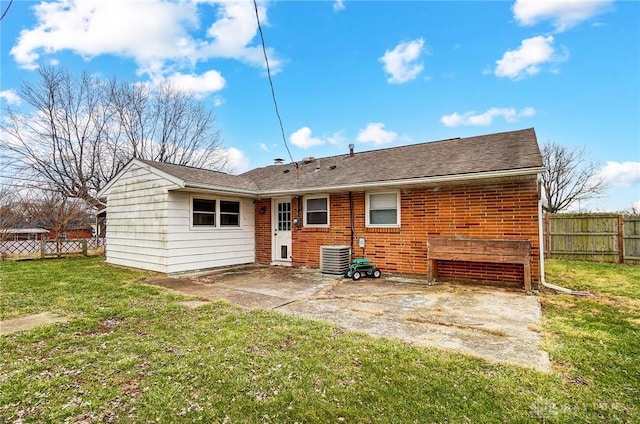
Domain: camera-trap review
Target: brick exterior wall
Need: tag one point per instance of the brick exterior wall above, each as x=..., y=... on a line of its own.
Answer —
x=493, y=211
x=263, y=231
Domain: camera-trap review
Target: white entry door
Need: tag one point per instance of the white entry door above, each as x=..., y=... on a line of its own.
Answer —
x=281, y=250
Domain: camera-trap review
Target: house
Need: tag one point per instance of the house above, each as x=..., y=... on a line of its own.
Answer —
x=19, y=234
x=174, y=219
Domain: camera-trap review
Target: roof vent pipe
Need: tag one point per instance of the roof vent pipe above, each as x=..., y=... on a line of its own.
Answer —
x=278, y=161
x=351, y=146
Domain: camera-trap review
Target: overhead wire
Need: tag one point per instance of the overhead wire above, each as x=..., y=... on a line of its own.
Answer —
x=273, y=92
x=6, y=10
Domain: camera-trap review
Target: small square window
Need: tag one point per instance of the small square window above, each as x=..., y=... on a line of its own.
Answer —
x=317, y=211
x=382, y=209
x=229, y=213
x=204, y=212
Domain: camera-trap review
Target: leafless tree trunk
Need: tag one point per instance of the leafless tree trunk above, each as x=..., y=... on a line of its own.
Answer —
x=83, y=131
x=568, y=177
x=11, y=215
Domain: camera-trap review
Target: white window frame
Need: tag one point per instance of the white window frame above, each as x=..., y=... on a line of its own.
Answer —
x=368, y=223
x=305, y=210
x=218, y=213
x=195, y=226
x=219, y=210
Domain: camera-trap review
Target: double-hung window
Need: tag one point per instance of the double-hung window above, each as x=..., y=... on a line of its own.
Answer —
x=212, y=213
x=383, y=209
x=316, y=211
x=204, y=212
x=229, y=213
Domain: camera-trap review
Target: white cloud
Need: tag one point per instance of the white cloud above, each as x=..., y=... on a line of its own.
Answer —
x=263, y=147
x=338, y=5
x=486, y=118
x=337, y=138
x=206, y=83
x=563, y=14
x=621, y=173
x=401, y=63
x=11, y=97
x=302, y=138
x=376, y=134
x=156, y=34
x=238, y=161
x=526, y=60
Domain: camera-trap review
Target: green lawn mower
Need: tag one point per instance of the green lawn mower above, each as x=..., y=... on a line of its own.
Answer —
x=362, y=267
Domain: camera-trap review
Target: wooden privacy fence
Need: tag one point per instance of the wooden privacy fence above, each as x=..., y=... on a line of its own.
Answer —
x=597, y=237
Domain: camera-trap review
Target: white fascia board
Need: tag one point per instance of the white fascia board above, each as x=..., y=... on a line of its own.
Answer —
x=412, y=181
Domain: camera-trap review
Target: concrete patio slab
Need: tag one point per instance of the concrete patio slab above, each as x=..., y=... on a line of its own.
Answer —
x=494, y=323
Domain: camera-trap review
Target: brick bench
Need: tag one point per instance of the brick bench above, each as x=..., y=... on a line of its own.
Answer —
x=479, y=250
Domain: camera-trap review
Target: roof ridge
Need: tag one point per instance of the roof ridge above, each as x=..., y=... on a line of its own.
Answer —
x=155, y=162
x=444, y=140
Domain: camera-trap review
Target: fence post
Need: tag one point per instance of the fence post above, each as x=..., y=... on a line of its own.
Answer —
x=43, y=248
x=547, y=237
x=620, y=239
x=84, y=247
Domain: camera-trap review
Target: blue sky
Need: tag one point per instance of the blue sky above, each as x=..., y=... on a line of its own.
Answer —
x=375, y=74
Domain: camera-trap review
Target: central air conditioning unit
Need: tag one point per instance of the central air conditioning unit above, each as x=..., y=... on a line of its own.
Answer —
x=335, y=259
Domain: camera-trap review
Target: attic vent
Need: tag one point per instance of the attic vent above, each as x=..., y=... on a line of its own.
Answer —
x=334, y=259
x=308, y=159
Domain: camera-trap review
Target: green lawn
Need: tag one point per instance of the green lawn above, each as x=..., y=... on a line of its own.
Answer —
x=131, y=353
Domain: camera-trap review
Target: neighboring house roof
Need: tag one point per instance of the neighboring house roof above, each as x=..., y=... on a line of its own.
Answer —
x=24, y=231
x=502, y=154
x=513, y=153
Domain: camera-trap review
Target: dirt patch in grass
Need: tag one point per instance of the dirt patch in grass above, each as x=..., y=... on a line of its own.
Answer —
x=29, y=322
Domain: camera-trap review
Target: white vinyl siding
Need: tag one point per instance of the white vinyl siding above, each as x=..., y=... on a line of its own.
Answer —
x=197, y=248
x=137, y=221
x=316, y=211
x=383, y=209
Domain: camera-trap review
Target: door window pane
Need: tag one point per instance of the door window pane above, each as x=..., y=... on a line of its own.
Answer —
x=284, y=216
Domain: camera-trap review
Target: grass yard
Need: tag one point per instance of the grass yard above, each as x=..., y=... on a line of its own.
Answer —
x=132, y=353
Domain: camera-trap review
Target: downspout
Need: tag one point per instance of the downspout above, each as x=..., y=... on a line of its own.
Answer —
x=353, y=231
x=541, y=235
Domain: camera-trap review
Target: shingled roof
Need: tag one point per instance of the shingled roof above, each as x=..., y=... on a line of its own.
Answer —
x=204, y=177
x=497, y=154
x=505, y=154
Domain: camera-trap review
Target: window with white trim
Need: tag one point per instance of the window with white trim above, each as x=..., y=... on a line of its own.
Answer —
x=229, y=213
x=204, y=212
x=212, y=213
x=316, y=211
x=383, y=209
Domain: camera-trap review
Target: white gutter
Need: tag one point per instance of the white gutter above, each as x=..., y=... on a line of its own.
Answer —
x=411, y=181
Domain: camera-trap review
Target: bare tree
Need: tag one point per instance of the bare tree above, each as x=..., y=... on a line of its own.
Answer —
x=11, y=212
x=58, y=213
x=569, y=177
x=82, y=131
